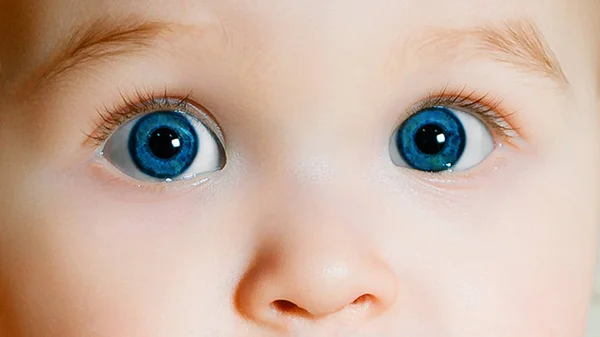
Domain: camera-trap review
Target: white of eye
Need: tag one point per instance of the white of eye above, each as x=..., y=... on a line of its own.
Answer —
x=479, y=141
x=210, y=156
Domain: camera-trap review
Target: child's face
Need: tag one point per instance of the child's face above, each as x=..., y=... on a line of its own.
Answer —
x=289, y=176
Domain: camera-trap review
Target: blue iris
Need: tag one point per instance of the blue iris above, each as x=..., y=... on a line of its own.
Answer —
x=163, y=144
x=432, y=140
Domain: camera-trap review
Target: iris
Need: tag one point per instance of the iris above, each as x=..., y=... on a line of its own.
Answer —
x=432, y=140
x=163, y=144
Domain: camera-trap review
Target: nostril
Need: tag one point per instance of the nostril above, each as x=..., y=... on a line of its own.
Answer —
x=364, y=300
x=288, y=308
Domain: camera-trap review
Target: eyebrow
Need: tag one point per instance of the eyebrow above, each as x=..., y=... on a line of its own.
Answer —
x=102, y=40
x=516, y=43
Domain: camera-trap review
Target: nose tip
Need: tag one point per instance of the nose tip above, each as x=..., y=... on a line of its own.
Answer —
x=332, y=290
x=326, y=279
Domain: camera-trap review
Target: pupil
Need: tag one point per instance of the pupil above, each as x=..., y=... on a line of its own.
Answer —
x=430, y=139
x=165, y=143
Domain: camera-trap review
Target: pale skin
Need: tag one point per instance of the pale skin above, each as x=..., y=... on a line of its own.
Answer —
x=309, y=228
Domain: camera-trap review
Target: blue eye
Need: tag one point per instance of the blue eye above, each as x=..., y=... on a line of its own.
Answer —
x=165, y=145
x=440, y=139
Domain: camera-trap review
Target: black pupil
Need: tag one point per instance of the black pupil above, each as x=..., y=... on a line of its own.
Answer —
x=165, y=143
x=430, y=139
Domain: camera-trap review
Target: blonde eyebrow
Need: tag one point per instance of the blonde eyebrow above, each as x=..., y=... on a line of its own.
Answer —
x=516, y=43
x=101, y=40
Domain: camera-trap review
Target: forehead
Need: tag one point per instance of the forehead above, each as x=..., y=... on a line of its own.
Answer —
x=317, y=23
x=295, y=31
x=315, y=11
x=325, y=18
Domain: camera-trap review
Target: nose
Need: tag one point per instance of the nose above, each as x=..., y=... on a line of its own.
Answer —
x=314, y=274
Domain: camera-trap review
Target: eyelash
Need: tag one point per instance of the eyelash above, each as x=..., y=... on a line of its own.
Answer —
x=486, y=107
x=109, y=119
x=489, y=109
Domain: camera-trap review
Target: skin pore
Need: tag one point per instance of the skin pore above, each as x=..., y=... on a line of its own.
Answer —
x=313, y=225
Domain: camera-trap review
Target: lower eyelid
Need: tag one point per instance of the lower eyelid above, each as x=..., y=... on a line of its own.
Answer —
x=114, y=181
x=472, y=179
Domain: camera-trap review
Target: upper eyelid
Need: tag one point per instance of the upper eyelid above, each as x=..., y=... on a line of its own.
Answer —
x=110, y=119
x=461, y=99
x=486, y=107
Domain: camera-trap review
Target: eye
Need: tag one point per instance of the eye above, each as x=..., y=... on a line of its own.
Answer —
x=165, y=145
x=441, y=139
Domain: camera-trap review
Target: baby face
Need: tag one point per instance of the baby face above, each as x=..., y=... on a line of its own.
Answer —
x=298, y=168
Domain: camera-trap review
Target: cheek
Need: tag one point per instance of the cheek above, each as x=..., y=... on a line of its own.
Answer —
x=513, y=253
x=533, y=262
x=119, y=267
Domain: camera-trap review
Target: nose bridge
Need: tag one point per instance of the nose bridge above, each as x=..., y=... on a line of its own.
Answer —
x=312, y=261
x=317, y=96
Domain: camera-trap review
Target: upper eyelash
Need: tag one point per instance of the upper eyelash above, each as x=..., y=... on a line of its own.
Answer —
x=488, y=108
x=109, y=119
x=485, y=106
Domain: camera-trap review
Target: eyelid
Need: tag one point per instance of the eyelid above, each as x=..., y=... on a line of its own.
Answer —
x=123, y=184
x=140, y=103
x=488, y=108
